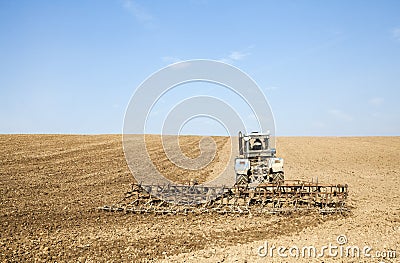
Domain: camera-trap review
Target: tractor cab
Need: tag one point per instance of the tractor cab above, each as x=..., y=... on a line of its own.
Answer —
x=257, y=162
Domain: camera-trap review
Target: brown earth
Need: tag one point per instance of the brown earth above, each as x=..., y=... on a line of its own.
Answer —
x=51, y=185
x=190, y=147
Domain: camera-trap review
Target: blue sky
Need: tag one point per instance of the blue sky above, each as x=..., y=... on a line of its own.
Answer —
x=327, y=68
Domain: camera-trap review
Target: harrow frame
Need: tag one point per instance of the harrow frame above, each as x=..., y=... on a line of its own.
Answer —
x=282, y=197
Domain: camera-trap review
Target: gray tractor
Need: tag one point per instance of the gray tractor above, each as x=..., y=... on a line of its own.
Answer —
x=257, y=162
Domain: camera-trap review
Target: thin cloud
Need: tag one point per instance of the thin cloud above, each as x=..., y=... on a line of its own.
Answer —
x=170, y=59
x=377, y=101
x=396, y=33
x=234, y=56
x=225, y=60
x=181, y=65
x=237, y=55
x=140, y=14
x=340, y=115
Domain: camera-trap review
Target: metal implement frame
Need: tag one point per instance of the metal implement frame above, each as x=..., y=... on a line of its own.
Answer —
x=283, y=197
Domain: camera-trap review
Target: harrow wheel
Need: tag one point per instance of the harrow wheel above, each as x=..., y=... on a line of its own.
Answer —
x=277, y=177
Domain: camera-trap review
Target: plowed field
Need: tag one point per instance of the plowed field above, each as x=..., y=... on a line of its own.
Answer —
x=51, y=185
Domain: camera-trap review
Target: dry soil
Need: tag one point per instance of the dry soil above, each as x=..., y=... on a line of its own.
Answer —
x=51, y=185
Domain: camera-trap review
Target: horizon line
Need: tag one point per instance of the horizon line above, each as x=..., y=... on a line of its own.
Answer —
x=203, y=135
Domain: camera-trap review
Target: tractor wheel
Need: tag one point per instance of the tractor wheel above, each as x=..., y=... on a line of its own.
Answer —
x=277, y=177
x=280, y=176
x=242, y=180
